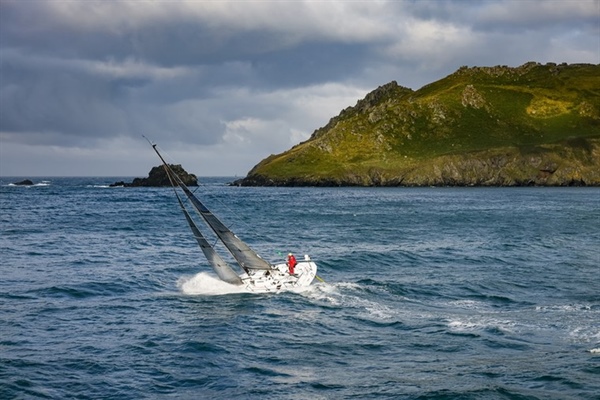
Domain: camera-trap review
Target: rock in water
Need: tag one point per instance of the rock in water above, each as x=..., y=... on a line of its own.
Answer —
x=157, y=177
x=25, y=182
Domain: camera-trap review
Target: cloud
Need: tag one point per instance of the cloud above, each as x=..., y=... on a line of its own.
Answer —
x=431, y=43
x=533, y=15
x=223, y=84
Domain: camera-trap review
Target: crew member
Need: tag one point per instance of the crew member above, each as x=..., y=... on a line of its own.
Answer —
x=291, y=262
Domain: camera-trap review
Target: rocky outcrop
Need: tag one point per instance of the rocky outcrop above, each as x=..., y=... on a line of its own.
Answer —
x=380, y=95
x=157, y=177
x=25, y=182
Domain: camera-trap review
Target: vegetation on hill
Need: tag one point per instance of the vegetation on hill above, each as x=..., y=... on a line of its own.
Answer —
x=531, y=125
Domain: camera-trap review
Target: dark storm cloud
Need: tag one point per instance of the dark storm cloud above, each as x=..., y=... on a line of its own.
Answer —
x=243, y=79
x=80, y=81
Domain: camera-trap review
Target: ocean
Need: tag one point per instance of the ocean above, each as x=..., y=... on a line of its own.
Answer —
x=428, y=293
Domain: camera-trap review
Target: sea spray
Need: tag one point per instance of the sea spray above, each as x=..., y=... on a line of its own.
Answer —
x=207, y=285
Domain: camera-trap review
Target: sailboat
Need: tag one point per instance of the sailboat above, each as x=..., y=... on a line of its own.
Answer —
x=255, y=273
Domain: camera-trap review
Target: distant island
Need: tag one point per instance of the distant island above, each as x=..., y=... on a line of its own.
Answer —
x=157, y=177
x=533, y=125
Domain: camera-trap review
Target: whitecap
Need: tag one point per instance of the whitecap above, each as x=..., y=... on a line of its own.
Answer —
x=464, y=325
x=323, y=292
x=466, y=304
x=564, y=307
x=336, y=295
x=476, y=324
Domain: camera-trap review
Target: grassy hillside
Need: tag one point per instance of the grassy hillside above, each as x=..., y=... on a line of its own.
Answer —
x=534, y=124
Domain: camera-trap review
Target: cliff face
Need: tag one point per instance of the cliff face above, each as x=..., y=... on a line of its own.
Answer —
x=495, y=126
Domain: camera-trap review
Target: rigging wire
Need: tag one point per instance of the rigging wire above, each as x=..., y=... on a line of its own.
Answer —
x=224, y=205
x=186, y=199
x=235, y=221
x=208, y=194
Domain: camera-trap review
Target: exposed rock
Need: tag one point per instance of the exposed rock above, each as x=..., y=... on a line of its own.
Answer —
x=25, y=182
x=472, y=98
x=570, y=163
x=158, y=178
x=366, y=105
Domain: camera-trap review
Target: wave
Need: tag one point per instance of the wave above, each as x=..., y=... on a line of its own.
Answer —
x=89, y=289
x=40, y=184
x=481, y=324
x=350, y=296
x=565, y=308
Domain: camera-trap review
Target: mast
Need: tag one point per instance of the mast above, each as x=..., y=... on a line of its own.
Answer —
x=223, y=270
x=243, y=254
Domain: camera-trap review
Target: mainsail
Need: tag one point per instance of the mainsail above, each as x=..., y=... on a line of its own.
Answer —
x=223, y=270
x=243, y=254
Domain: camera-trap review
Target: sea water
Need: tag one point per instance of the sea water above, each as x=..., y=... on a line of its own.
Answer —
x=428, y=293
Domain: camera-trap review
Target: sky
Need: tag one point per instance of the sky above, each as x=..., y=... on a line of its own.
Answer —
x=220, y=85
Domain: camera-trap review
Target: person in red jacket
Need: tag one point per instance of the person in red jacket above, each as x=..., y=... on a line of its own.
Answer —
x=291, y=262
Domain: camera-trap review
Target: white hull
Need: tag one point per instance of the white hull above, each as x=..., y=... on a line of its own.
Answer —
x=278, y=279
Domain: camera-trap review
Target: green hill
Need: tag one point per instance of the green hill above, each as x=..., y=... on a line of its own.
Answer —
x=491, y=126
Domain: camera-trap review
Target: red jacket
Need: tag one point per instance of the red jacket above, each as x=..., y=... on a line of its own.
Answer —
x=292, y=263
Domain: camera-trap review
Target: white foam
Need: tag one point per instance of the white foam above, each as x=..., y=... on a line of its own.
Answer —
x=43, y=183
x=585, y=333
x=564, y=307
x=595, y=351
x=379, y=311
x=337, y=295
x=463, y=325
x=348, y=285
x=467, y=304
x=476, y=324
x=323, y=292
x=208, y=285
